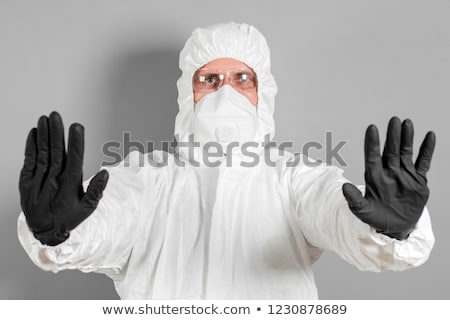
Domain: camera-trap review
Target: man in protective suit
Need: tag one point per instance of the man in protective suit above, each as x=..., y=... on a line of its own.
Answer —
x=199, y=229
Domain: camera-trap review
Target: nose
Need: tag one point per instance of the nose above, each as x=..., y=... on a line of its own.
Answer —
x=226, y=80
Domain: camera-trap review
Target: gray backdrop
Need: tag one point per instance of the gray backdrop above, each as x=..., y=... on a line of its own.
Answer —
x=340, y=65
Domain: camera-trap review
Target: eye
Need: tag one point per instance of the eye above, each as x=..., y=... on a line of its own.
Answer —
x=210, y=79
x=245, y=80
x=243, y=77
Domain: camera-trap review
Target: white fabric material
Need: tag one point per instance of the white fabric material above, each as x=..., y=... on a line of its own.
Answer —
x=231, y=232
x=235, y=233
x=225, y=116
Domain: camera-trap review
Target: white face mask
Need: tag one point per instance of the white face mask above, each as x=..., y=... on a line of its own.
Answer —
x=225, y=116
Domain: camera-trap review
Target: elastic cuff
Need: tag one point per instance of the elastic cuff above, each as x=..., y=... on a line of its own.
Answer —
x=397, y=235
x=51, y=237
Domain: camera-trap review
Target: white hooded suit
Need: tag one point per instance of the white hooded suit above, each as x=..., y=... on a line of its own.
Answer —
x=231, y=232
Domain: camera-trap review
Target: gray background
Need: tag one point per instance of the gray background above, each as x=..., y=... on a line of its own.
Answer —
x=340, y=65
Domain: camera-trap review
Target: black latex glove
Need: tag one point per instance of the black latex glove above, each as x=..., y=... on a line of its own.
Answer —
x=51, y=190
x=396, y=188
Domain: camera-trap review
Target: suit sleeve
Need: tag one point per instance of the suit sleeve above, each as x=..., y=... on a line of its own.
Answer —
x=104, y=241
x=328, y=224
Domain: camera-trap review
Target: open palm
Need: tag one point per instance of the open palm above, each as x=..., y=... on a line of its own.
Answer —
x=51, y=190
x=396, y=187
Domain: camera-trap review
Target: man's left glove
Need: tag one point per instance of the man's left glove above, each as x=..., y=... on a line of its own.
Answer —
x=396, y=188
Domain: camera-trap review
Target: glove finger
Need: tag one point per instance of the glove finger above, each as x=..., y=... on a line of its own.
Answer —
x=94, y=191
x=27, y=172
x=423, y=161
x=372, y=151
x=29, y=165
x=357, y=203
x=43, y=155
x=353, y=196
x=406, y=145
x=57, y=147
x=75, y=152
x=391, y=152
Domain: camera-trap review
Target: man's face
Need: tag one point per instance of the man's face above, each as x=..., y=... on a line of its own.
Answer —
x=219, y=72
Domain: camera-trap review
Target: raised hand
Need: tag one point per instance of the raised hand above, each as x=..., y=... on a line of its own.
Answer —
x=51, y=190
x=396, y=188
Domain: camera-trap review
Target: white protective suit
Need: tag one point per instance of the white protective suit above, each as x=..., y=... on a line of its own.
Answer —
x=231, y=232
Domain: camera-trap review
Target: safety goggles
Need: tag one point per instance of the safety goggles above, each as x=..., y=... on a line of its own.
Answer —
x=208, y=80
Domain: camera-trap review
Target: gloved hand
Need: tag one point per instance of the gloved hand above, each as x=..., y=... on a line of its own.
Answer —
x=51, y=190
x=396, y=188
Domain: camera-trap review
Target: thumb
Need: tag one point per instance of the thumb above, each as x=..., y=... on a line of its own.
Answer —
x=356, y=202
x=94, y=191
